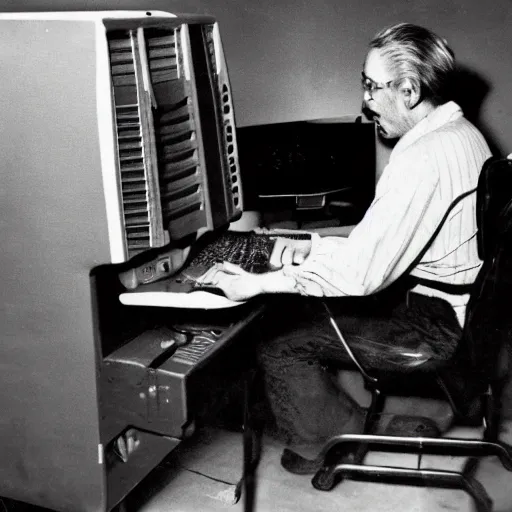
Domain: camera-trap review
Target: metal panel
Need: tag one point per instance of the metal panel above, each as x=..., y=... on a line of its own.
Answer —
x=53, y=231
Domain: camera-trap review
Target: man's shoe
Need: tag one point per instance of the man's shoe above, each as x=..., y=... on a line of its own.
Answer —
x=412, y=426
x=298, y=464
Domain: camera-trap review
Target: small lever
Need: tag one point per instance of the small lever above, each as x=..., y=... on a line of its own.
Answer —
x=179, y=339
x=174, y=339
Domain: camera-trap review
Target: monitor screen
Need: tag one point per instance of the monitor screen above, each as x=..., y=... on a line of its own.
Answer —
x=304, y=158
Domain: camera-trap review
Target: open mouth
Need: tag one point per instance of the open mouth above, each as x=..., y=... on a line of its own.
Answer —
x=368, y=113
x=376, y=120
x=371, y=115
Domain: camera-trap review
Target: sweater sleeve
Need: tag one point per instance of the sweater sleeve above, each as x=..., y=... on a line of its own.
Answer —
x=387, y=240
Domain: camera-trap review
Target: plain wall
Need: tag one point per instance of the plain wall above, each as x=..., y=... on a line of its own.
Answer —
x=293, y=59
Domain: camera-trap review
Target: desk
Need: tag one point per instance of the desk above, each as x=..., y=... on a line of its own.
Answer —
x=160, y=392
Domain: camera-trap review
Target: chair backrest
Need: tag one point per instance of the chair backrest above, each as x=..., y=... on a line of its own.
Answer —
x=488, y=320
x=494, y=194
x=488, y=325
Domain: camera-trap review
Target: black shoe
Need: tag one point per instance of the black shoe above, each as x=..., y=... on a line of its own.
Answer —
x=412, y=426
x=299, y=465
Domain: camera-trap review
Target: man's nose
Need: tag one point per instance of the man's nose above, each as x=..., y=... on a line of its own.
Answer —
x=367, y=95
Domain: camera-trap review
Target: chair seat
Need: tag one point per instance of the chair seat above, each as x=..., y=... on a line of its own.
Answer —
x=383, y=357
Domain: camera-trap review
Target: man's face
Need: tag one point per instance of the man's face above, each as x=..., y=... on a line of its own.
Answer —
x=384, y=105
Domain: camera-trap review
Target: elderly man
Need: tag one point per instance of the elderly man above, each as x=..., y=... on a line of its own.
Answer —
x=438, y=157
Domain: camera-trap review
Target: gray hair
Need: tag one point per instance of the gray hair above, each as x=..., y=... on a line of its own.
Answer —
x=420, y=55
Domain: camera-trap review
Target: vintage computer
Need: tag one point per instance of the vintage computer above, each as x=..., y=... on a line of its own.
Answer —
x=117, y=139
x=119, y=152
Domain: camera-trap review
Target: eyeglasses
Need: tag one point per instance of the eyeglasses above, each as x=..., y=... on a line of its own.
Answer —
x=371, y=86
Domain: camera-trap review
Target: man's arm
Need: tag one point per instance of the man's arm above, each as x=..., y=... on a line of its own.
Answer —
x=384, y=243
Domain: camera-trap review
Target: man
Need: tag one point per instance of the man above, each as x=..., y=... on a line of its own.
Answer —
x=438, y=157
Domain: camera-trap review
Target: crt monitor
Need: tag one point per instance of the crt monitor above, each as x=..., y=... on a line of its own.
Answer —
x=308, y=164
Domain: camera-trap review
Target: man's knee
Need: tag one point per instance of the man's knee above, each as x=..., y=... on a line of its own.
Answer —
x=275, y=349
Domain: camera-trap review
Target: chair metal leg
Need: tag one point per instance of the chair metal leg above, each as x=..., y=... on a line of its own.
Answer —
x=439, y=445
x=374, y=410
x=327, y=477
x=438, y=478
x=370, y=424
x=491, y=426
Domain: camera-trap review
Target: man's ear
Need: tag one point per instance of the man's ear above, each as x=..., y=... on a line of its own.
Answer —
x=411, y=93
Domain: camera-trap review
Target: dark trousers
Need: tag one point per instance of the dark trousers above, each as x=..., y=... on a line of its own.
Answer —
x=395, y=330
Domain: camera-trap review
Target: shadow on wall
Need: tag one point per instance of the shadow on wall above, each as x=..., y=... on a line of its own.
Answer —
x=469, y=90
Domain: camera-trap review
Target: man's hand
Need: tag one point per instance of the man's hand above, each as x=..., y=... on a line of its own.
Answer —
x=288, y=251
x=236, y=283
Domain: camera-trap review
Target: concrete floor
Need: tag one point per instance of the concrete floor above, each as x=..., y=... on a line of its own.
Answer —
x=201, y=476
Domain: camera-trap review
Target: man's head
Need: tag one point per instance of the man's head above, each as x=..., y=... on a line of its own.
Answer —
x=406, y=74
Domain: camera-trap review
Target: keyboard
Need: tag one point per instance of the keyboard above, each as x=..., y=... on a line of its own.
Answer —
x=250, y=250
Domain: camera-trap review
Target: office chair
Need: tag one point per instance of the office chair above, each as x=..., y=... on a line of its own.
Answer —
x=470, y=380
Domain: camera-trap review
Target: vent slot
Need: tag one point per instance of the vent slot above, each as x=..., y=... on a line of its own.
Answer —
x=161, y=163
x=122, y=64
x=180, y=213
x=173, y=173
x=180, y=183
x=133, y=176
x=179, y=142
x=177, y=167
x=182, y=194
x=163, y=63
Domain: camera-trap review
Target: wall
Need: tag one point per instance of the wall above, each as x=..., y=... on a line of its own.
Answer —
x=298, y=59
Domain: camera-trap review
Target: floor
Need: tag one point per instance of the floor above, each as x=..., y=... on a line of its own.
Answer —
x=202, y=476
